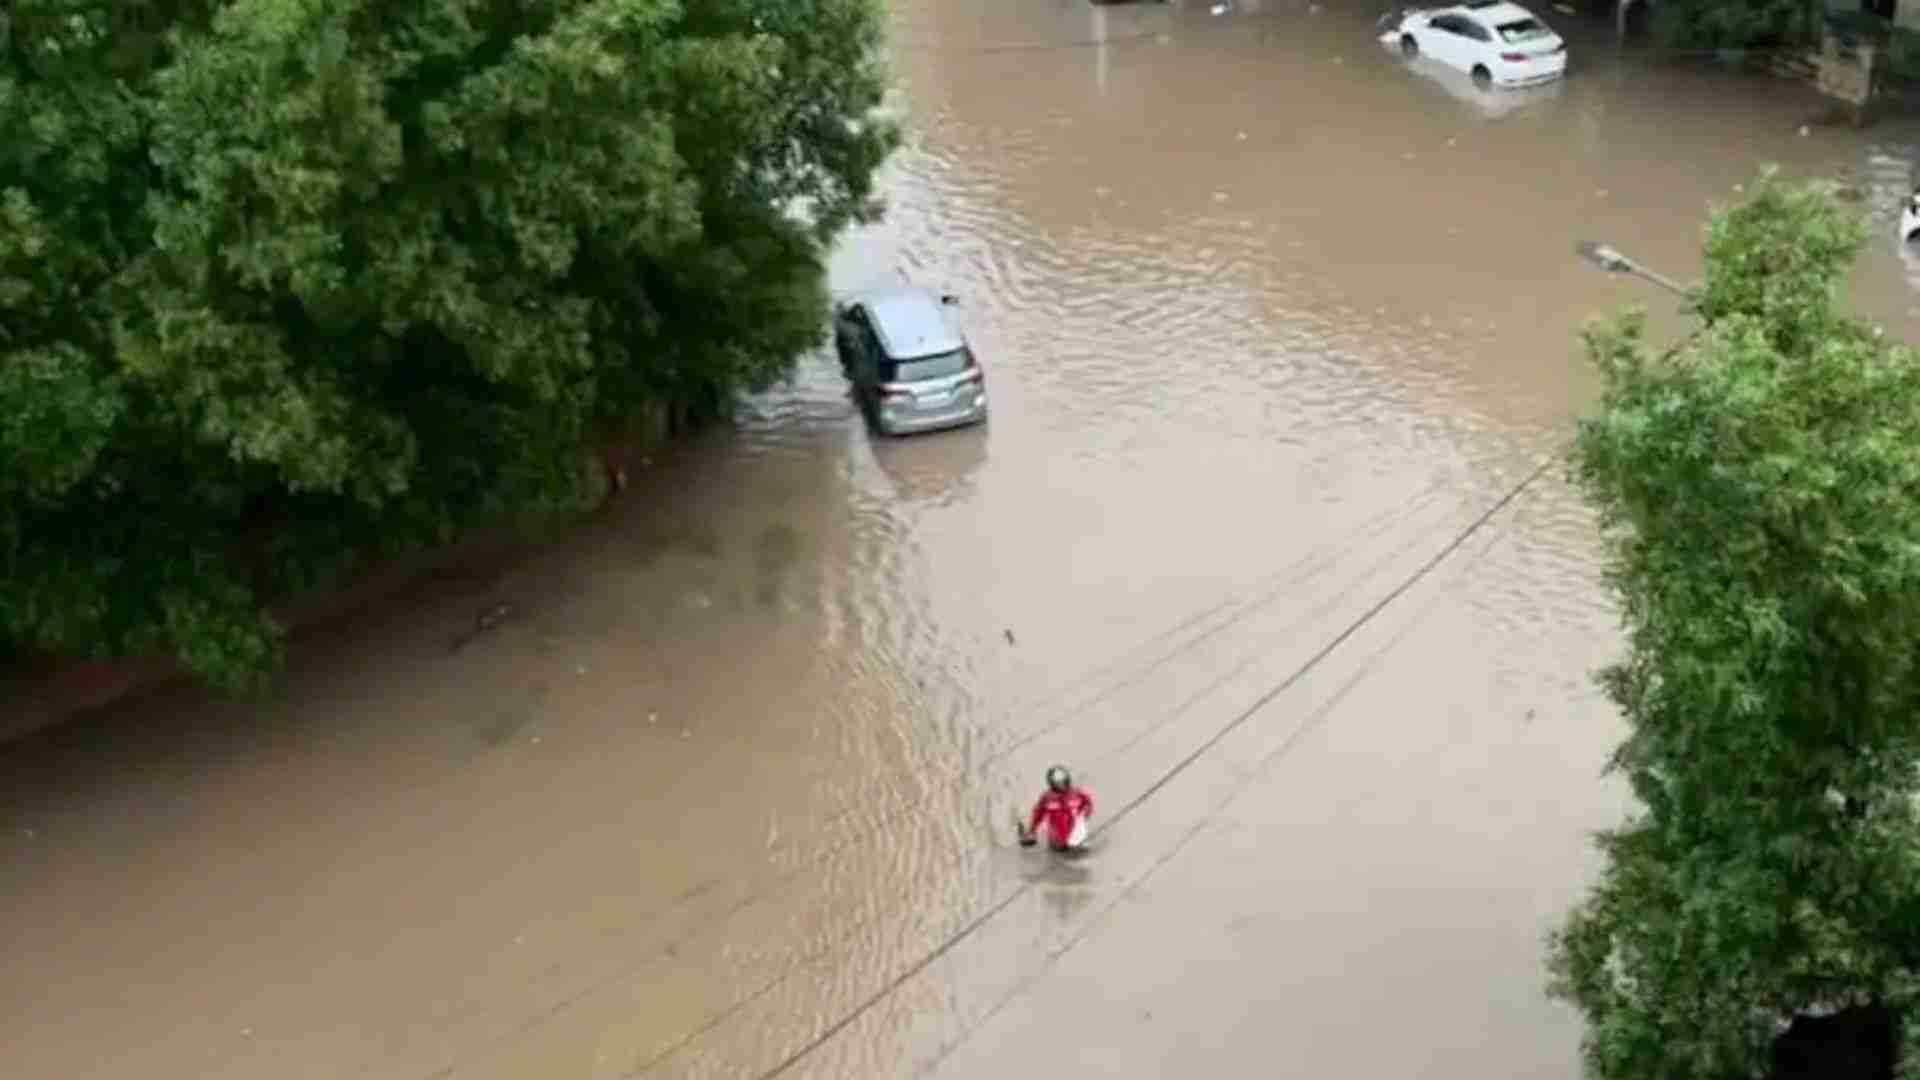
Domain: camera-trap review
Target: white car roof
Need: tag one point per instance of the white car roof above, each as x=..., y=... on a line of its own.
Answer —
x=1495, y=14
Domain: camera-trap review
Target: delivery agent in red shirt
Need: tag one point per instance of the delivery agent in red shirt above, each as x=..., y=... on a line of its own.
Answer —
x=1062, y=811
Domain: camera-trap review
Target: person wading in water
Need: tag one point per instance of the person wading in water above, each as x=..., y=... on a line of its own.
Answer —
x=1062, y=811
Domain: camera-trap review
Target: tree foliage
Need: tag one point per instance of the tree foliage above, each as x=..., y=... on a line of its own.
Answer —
x=1759, y=490
x=1736, y=24
x=287, y=282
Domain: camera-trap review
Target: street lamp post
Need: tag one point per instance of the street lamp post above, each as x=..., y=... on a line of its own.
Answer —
x=1608, y=258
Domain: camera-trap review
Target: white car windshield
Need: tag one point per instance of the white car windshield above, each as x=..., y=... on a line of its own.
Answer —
x=1514, y=33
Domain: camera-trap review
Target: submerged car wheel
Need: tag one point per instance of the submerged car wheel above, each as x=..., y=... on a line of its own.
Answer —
x=1482, y=78
x=1408, y=46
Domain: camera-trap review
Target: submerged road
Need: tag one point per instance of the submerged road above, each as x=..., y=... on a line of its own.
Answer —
x=1264, y=540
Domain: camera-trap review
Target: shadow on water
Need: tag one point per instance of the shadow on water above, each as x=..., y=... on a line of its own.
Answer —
x=934, y=469
x=775, y=553
x=1064, y=882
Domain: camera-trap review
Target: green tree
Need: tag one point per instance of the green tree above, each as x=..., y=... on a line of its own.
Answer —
x=288, y=283
x=1759, y=490
x=1737, y=24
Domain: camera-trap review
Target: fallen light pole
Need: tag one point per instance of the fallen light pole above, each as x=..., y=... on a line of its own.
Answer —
x=1608, y=258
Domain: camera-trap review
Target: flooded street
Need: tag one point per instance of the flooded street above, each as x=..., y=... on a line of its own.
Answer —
x=1279, y=333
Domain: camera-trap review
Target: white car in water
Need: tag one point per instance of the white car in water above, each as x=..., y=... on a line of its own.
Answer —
x=1495, y=42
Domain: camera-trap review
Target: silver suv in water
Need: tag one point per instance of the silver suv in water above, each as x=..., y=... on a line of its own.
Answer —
x=907, y=363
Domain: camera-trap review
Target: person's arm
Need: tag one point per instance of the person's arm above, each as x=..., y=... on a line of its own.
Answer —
x=1039, y=815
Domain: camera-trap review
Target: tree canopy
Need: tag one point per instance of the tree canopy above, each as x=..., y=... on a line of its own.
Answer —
x=1736, y=24
x=1759, y=490
x=284, y=283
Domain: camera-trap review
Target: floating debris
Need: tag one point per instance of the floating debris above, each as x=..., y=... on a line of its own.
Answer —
x=484, y=622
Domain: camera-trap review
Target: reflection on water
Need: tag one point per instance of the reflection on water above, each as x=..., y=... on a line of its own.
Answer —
x=1909, y=259
x=1883, y=185
x=1488, y=101
x=1268, y=319
x=933, y=470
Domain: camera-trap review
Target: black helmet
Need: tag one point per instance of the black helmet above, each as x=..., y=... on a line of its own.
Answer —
x=1058, y=778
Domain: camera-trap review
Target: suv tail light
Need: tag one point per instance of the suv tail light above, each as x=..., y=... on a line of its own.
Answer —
x=1513, y=57
x=895, y=392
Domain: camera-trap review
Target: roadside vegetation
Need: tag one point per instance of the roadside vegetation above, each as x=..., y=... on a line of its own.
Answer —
x=1769, y=27
x=1759, y=489
x=1737, y=24
x=286, y=285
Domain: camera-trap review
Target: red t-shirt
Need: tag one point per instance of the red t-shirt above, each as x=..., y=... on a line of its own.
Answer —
x=1058, y=810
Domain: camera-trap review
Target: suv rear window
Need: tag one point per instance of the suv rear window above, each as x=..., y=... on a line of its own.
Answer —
x=1514, y=33
x=938, y=366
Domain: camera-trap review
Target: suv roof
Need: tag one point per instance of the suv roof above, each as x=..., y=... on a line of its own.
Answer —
x=910, y=322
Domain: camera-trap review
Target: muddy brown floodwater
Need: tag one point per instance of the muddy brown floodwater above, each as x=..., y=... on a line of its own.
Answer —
x=1271, y=319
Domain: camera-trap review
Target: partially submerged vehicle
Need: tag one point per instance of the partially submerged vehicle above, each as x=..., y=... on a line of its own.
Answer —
x=1488, y=101
x=908, y=364
x=1495, y=42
